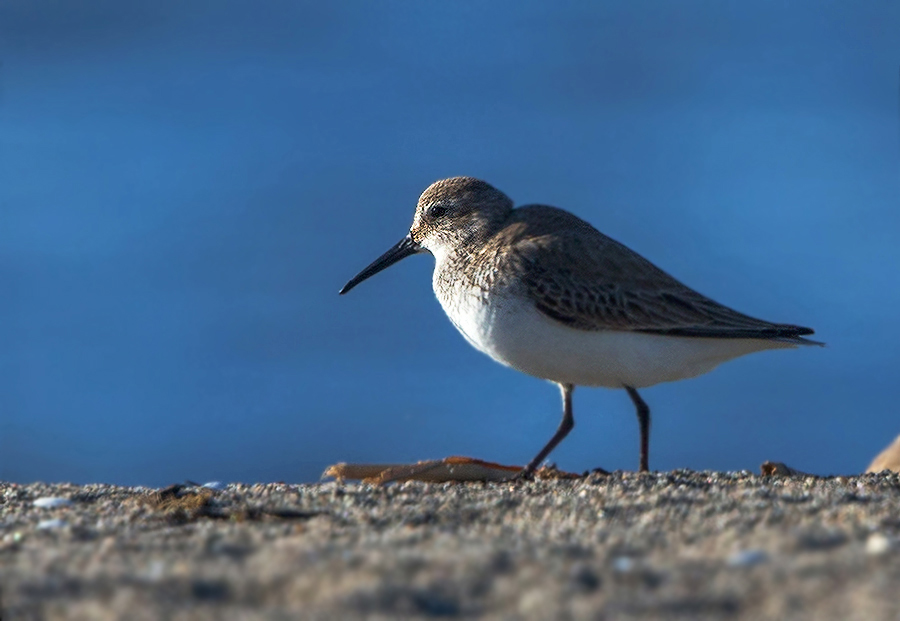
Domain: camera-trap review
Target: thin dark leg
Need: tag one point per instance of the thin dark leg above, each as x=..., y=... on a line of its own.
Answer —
x=565, y=426
x=643, y=414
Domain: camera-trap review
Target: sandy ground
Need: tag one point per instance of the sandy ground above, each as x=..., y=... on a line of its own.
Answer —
x=686, y=545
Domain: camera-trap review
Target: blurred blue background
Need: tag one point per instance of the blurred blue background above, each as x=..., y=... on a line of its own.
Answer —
x=186, y=186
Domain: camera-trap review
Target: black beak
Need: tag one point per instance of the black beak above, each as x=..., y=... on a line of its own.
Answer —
x=403, y=249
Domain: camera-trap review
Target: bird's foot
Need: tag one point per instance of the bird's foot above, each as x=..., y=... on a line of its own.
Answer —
x=525, y=474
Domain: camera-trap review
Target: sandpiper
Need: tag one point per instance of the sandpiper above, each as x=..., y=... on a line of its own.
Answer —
x=542, y=291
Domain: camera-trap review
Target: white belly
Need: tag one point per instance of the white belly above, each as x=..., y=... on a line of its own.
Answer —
x=513, y=332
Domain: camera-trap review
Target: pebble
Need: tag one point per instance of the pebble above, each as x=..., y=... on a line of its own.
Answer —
x=878, y=544
x=623, y=564
x=747, y=558
x=155, y=571
x=52, y=502
x=50, y=524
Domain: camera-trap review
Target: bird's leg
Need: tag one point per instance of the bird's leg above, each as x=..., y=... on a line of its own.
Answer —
x=565, y=426
x=643, y=414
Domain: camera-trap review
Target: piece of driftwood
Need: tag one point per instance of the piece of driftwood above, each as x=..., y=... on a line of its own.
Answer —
x=438, y=471
x=779, y=469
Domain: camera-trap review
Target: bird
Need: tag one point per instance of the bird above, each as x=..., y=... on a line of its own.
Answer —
x=542, y=291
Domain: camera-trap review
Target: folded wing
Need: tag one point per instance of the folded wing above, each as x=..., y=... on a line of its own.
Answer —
x=590, y=282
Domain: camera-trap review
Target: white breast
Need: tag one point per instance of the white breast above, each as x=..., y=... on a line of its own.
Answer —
x=511, y=330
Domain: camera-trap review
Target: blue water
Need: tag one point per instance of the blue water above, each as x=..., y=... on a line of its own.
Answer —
x=186, y=186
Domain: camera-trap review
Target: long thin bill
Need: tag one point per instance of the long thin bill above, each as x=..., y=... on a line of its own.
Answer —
x=404, y=248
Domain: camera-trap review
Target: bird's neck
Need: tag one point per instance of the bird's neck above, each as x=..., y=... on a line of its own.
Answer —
x=460, y=260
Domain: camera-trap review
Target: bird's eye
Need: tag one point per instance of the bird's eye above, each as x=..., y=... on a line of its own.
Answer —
x=437, y=211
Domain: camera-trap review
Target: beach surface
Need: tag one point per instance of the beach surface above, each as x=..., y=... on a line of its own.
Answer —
x=679, y=545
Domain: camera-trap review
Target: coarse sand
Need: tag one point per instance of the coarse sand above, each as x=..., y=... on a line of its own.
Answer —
x=679, y=545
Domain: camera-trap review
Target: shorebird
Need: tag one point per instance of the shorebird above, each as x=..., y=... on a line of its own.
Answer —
x=542, y=291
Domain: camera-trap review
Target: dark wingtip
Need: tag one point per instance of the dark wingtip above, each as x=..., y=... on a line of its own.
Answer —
x=802, y=341
x=801, y=332
x=798, y=334
x=775, y=332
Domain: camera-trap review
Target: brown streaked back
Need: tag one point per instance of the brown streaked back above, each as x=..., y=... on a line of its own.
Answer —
x=585, y=280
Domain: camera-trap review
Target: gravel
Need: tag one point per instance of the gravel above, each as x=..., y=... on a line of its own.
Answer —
x=680, y=545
